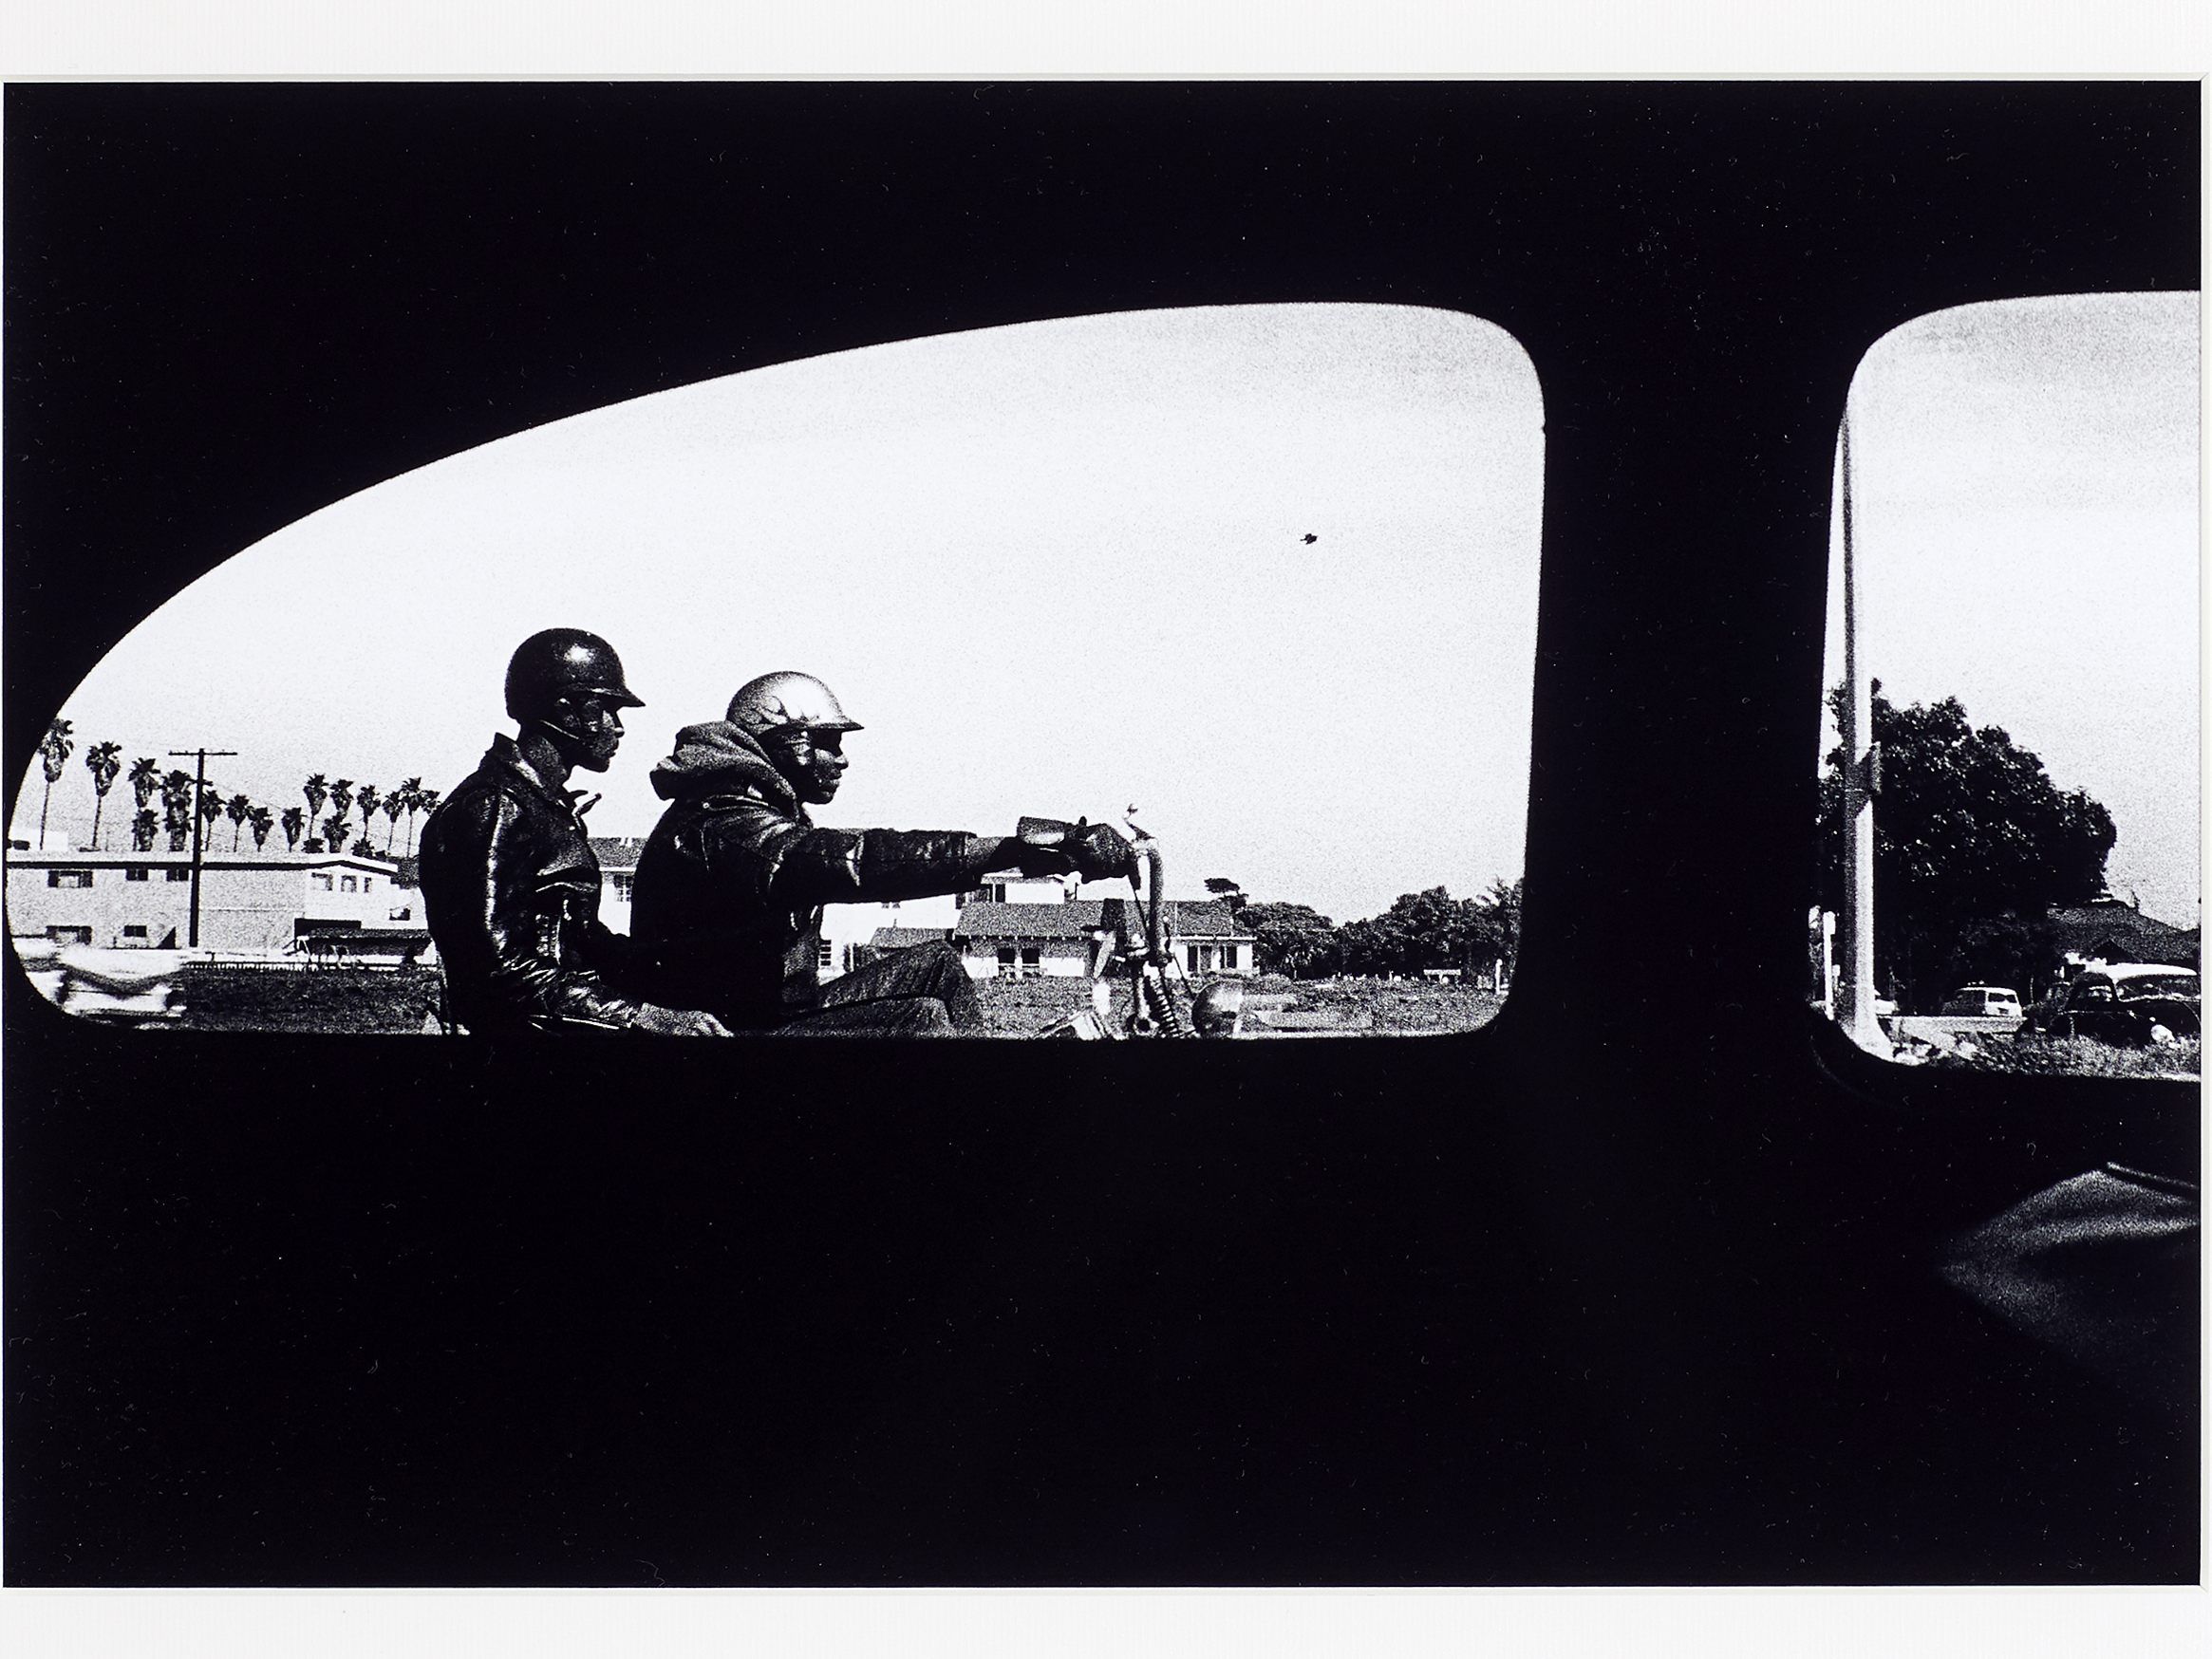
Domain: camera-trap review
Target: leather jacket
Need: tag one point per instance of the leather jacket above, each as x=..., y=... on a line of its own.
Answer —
x=726, y=912
x=510, y=891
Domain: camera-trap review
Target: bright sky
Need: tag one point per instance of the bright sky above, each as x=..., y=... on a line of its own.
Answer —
x=2026, y=524
x=1052, y=569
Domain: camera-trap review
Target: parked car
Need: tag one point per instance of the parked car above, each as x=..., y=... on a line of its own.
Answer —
x=2127, y=1004
x=1985, y=1003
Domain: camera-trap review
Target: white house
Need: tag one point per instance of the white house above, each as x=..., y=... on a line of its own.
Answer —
x=1015, y=940
x=257, y=902
x=618, y=856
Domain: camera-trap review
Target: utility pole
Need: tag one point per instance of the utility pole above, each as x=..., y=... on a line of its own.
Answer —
x=1862, y=779
x=199, y=793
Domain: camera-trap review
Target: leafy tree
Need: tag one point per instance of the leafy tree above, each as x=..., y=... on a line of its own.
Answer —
x=104, y=762
x=295, y=823
x=317, y=791
x=1434, y=929
x=144, y=828
x=1293, y=939
x=1431, y=929
x=54, y=755
x=239, y=809
x=1974, y=845
x=1228, y=892
x=263, y=821
x=1492, y=936
x=1377, y=945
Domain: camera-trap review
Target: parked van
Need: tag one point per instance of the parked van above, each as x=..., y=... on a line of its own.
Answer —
x=1985, y=1003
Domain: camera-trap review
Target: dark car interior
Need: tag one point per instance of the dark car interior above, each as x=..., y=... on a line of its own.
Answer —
x=1645, y=1288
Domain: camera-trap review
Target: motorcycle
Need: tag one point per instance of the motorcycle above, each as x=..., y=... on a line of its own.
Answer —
x=1131, y=944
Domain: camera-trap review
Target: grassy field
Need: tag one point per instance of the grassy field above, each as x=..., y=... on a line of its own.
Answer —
x=363, y=1001
x=1346, y=1007
x=351, y=1002
x=2031, y=1055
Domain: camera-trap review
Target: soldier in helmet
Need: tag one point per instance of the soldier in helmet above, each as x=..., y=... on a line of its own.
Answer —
x=727, y=906
x=510, y=883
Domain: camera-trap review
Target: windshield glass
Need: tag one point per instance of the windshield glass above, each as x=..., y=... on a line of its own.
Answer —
x=2160, y=985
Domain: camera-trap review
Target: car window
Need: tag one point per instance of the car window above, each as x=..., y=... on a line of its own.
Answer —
x=1266, y=530
x=2160, y=985
x=2008, y=778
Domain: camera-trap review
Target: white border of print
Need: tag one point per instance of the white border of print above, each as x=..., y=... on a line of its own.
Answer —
x=506, y=39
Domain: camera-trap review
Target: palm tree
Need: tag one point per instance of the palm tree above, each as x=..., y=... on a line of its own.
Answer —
x=427, y=800
x=263, y=821
x=144, y=828
x=340, y=803
x=318, y=790
x=334, y=832
x=395, y=804
x=103, y=762
x=146, y=776
x=238, y=811
x=177, y=808
x=53, y=754
x=211, y=813
x=367, y=801
x=295, y=824
x=411, y=792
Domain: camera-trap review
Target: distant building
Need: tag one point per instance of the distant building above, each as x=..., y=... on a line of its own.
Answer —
x=257, y=902
x=1020, y=940
x=618, y=856
x=1025, y=941
x=2111, y=931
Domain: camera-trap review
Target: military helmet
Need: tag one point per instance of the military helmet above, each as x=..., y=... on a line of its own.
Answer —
x=563, y=662
x=786, y=701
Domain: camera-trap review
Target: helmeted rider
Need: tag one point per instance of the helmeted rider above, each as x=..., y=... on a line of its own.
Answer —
x=727, y=905
x=510, y=882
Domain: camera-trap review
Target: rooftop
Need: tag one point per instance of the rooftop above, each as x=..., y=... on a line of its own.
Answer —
x=900, y=938
x=2110, y=925
x=984, y=920
x=617, y=851
x=1185, y=919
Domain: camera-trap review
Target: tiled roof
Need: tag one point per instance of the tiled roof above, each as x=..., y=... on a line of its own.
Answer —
x=981, y=918
x=1187, y=918
x=900, y=938
x=617, y=851
x=1205, y=919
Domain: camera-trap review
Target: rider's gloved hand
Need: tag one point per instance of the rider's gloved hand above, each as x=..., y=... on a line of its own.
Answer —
x=1101, y=851
x=1038, y=848
x=677, y=1021
x=1093, y=851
